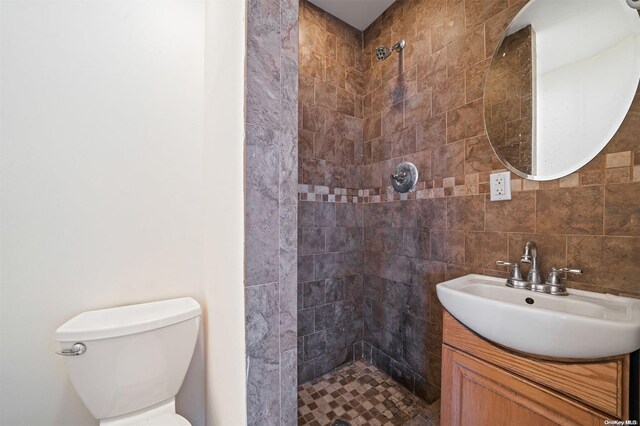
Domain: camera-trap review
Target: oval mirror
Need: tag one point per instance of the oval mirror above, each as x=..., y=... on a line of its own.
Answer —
x=561, y=83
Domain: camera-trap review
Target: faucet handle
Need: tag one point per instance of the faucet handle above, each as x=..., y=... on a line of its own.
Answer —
x=568, y=270
x=554, y=280
x=515, y=278
x=554, y=277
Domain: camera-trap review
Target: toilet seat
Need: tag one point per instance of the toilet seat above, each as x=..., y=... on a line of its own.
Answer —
x=161, y=415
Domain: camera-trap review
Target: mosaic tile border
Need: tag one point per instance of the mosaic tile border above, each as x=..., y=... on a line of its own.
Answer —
x=619, y=167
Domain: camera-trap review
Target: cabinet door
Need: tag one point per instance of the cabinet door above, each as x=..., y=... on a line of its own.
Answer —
x=477, y=393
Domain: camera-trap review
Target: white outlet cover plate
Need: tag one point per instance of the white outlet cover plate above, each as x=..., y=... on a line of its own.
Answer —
x=500, y=186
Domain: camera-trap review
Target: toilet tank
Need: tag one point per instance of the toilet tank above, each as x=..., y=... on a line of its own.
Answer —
x=136, y=356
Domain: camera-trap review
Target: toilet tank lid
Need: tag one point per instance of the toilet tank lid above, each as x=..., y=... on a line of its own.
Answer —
x=126, y=320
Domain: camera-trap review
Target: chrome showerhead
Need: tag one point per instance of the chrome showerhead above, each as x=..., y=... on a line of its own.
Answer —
x=383, y=52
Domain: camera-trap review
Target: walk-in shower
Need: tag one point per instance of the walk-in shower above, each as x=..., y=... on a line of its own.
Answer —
x=383, y=52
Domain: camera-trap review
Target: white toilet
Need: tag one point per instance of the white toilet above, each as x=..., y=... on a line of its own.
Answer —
x=128, y=363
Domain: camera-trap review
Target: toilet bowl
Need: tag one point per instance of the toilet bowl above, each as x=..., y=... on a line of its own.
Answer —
x=128, y=363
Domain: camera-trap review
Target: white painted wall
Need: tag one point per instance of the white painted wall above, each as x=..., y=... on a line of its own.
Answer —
x=224, y=211
x=108, y=179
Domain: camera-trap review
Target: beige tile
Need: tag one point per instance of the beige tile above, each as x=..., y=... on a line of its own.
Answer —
x=568, y=181
x=618, y=159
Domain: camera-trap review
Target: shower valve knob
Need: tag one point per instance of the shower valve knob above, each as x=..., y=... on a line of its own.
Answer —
x=399, y=177
x=404, y=177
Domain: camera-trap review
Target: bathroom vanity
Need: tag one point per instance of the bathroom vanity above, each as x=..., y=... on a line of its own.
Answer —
x=512, y=356
x=484, y=383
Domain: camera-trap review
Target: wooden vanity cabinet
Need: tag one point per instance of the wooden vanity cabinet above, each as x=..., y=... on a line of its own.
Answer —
x=485, y=384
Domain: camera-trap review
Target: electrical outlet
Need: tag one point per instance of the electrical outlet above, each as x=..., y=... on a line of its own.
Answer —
x=500, y=186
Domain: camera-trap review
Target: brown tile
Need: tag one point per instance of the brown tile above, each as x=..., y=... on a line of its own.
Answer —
x=392, y=119
x=432, y=213
x=447, y=246
x=576, y=210
x=449, y=94
x=450, y=27
x=400, y=88
x=432, y=70
x=372, y=127
x=336, y=73
x=334, y=124
x=617, y=175
x=324, y=147
x=422, y=161
x=312, y=64
x=431, y=132
x=483, y=249
x=372, y=175
x=305, y=143
x=325, y=95
x=605, y=260
x=346, y=102
x=313, y=14
x=380, y=150
x=448, y=160
x=474, y=80
x=345, y=53
x=313, y=118
x=516, y=215
x=465, y=51
x=354, y=81
x=312, y=171
x=306, y=89
x=592, y=177
x=466, y=121
x=353, y=128
x=429, y=13
x=622, y=209
x=417, y=50
x=417, y=108
x=403, y=143
x=465, y=213
x=495, y=28
x=551, y=250
x=479, y=157
x=626, y=138
x=478, y=11
x=344, y=151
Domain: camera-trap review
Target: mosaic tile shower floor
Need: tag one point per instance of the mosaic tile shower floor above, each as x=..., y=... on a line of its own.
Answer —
x=362, y=395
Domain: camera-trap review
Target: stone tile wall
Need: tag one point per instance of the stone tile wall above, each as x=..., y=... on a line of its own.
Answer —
x=330, y=252
x=330, y=261
x=271, y=158
x=425, y=106
x=330, y=100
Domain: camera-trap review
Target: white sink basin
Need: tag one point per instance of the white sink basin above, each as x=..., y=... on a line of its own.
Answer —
x=581, y=325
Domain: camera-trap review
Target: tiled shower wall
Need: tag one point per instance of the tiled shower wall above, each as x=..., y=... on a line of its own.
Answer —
x=330, y=286
x=271, y=163
x=425, y=106
x=330, y=236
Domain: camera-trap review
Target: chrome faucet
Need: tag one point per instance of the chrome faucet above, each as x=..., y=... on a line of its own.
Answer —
x=531, y=256
x=554, y=284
